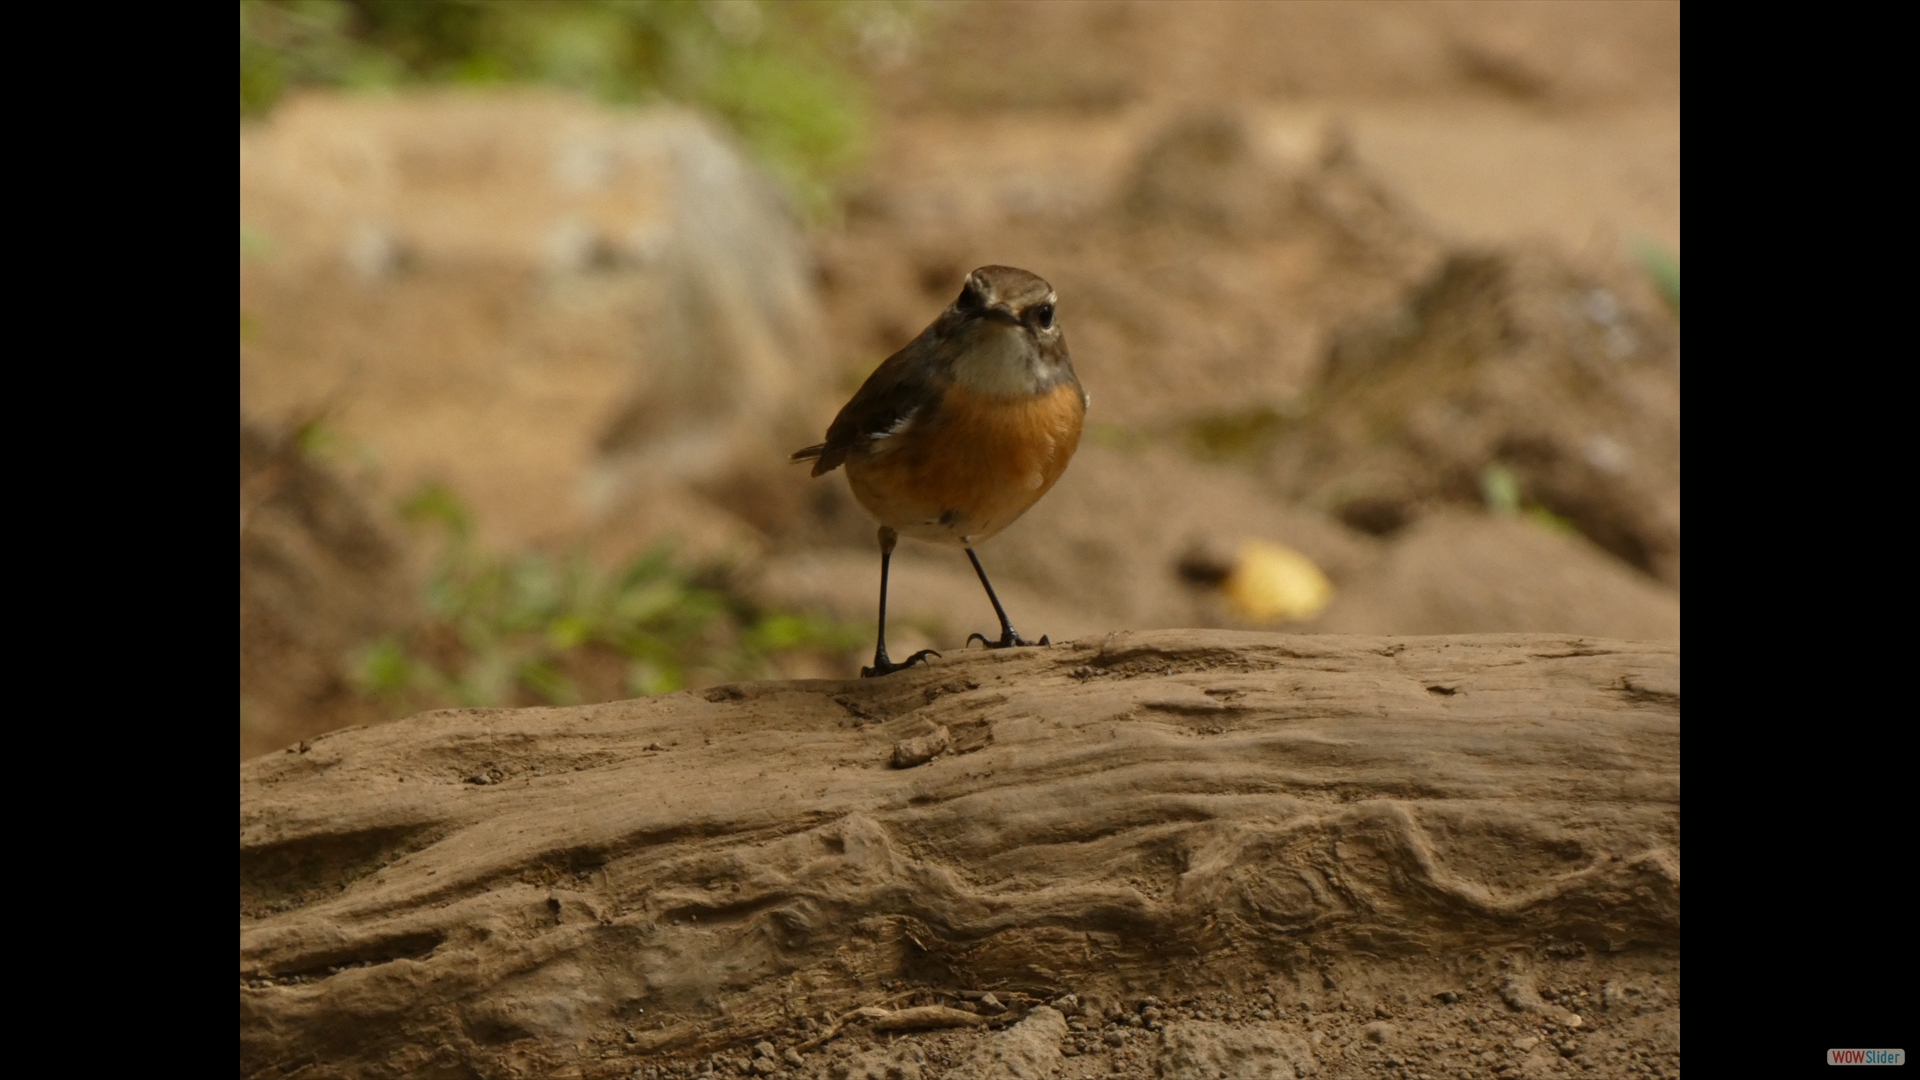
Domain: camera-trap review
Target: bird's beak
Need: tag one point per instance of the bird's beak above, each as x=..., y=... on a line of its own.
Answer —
x=1001, y=313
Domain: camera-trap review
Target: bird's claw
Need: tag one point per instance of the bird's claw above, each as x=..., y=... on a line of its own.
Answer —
x=883, y=666
x=1007, y=640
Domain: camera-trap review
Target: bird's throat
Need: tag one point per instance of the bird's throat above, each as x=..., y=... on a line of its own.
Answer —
x=1000, y=361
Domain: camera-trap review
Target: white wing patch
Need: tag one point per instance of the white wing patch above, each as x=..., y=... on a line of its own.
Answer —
x=899, y=426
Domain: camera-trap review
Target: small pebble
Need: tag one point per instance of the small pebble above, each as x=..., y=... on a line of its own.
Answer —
x=1379, y=1031
x=792, y=1057
x=763, y=1049
x=910, y=752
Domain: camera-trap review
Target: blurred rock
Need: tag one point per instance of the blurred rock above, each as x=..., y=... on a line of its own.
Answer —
x=1460, y=573
x=1216, y=173
x=1521, y=360
x=1090, y=59
x=1201, y=172
x=553, y=306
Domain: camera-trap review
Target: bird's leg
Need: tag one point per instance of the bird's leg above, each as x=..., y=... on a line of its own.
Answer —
x=1009, y=637
x=882, y=665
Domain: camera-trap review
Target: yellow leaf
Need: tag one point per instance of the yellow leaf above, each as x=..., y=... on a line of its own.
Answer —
x=1271, y=583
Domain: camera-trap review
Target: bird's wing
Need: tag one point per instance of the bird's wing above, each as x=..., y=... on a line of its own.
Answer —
x=898, y=390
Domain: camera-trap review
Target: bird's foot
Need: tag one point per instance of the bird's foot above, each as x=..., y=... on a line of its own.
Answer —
x=1008, y=640
x=884, y=666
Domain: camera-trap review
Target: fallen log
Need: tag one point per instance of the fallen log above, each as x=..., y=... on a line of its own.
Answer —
x=468, y=891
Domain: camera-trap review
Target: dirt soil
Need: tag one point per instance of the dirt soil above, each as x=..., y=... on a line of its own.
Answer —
x=1208, y=851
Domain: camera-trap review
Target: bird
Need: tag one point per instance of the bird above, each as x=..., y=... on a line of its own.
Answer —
x=959, y=433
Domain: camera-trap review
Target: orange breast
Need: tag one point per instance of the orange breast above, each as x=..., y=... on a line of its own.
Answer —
x=972, y=466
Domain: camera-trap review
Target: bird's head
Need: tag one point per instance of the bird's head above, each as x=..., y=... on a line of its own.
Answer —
x=1006, y=340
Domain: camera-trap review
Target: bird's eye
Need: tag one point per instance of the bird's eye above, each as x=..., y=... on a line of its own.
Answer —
x=1043, y=316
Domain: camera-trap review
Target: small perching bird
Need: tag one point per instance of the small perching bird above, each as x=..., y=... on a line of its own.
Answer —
x=956, y=435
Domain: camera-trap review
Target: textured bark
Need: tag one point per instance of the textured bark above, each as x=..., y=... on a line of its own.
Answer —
x=468, y=892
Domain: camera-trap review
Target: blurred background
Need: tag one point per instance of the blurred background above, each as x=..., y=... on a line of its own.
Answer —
x=1377, y=301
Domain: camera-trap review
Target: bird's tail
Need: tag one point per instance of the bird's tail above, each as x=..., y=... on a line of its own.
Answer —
x=824, y=460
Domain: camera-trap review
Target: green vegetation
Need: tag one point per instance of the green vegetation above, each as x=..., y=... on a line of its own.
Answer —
x=531, y=629
x=1117, y=437
x=1229, y=435
x=1500, y=488
x=1663, y=267
x=782, y=74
